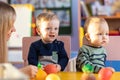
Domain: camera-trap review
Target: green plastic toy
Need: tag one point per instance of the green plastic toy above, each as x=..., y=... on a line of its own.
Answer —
x=87, y=68
x=39, y=65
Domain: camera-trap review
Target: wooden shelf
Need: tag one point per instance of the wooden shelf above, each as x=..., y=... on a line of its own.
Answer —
x=113, y=22
x=110, y=17
x=106, y=17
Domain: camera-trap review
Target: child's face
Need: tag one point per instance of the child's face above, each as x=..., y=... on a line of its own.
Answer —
x=49, y=30
x=98, y=34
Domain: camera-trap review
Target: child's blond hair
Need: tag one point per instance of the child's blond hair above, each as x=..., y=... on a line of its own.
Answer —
x=45, y=16
x=93, y=20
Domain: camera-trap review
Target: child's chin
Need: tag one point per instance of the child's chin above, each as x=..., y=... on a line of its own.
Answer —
x=51, y=41
x=103, y=44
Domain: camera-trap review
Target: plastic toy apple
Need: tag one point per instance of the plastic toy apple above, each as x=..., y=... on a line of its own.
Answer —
x=51, y=68
x=105, y=74
x=41, y=74
x=88, y=76
x=52, y=77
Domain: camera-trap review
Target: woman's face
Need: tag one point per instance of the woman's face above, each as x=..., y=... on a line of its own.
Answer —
x=10, y=32
x=12, y=27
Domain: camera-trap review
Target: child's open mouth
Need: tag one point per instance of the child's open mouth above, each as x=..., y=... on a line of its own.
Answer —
x=52, y=35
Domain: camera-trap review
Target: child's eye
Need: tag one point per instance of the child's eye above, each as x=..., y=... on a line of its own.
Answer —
x=99, y=34
x=48, y=28
x=56, y=28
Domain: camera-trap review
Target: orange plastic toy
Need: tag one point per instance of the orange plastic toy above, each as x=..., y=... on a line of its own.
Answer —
x=41, y=74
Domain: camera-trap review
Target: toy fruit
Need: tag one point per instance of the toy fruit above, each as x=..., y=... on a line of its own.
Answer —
x=88, y=72
x=105, y=74
x=51, y=68
x=87, y=68
x=88, y=76
x=41, y=74
x=52, y=76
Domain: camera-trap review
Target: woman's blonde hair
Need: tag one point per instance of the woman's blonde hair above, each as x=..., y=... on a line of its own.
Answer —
x=7, y=18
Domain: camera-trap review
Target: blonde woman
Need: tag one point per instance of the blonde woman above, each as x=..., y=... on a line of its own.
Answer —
x=7, y=19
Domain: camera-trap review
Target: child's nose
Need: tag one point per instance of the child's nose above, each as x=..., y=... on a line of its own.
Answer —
x=104, y=36
x=52, y=30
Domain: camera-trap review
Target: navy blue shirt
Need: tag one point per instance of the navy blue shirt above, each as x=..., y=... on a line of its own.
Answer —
x=48, y=53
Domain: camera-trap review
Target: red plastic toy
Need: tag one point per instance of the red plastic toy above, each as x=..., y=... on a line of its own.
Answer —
x=105, y=74
x=50, y=68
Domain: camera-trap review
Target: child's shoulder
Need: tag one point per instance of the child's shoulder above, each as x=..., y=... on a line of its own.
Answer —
x=37, y=42
x=58, y=42
x=86, y=48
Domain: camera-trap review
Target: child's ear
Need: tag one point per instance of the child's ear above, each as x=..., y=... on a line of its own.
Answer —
x=38, y=31
x=87, y=36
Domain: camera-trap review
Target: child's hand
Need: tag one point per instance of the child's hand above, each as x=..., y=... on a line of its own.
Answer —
x=112, y=69
x=58, y=67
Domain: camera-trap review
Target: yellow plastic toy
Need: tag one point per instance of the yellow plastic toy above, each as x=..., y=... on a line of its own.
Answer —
x=81, y=35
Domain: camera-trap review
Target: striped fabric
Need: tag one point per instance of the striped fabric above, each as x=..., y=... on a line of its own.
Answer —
x=95, y=56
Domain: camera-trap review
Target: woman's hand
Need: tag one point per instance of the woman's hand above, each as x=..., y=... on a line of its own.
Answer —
x=30, y=70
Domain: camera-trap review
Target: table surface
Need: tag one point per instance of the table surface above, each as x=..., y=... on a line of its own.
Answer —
x=77, y=76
